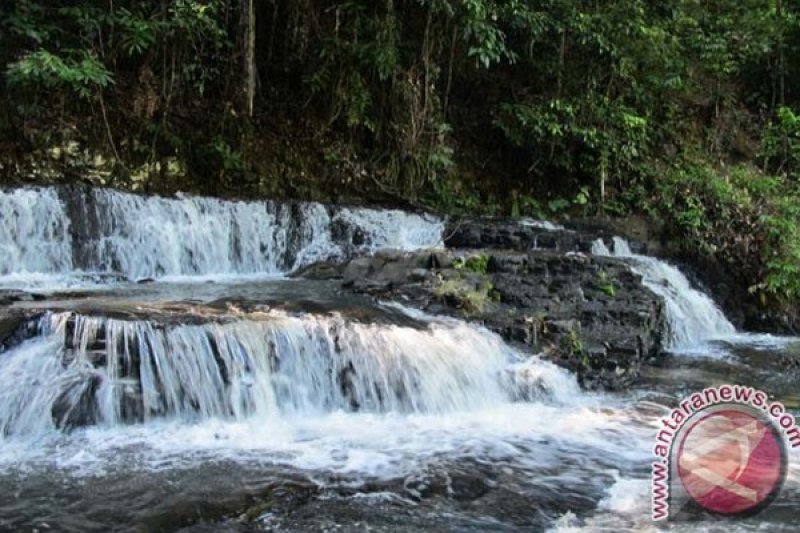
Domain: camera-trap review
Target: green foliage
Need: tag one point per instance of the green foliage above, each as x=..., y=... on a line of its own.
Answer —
x=782, y=280
x=487, y=41
x=79, y=71
x=703, y=202
x=605, y=283
x=231, y=158
x=471, y=298
x=572, y=342
x=452, y=197
x=557, y=205
x=583, y=196
x=478, y=263
x=780, y=145
x=528, y=205
x=543, y=109
x=742, y=218
x=138, y=32
x=493, y=293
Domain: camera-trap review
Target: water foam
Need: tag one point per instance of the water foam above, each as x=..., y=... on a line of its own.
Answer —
x=89, y=370
x=153, y=237
x=34, y=232
x=691, y=315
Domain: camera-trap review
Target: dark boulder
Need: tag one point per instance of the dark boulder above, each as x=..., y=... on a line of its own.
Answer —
x=590, y=314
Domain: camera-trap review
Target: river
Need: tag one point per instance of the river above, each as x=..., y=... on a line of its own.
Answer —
x=220, y=395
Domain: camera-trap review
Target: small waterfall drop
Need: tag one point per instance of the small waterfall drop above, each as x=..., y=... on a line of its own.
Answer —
x=61, y=232
x=692, y=316
x=34, y=232
x=155, y=237
x=85, y=370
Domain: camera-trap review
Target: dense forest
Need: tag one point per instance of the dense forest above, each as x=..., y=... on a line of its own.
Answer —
x=680, y=110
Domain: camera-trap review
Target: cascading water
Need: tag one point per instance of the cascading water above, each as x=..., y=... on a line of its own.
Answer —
x=85, y=370
x=154, y=237
x=692, y=316
x=34, y=232
x=106, y=231
x=192, y=394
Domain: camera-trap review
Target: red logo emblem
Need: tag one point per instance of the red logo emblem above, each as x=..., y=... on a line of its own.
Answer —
x=732, y=461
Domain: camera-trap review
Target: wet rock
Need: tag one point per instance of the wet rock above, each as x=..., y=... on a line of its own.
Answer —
x=322, y=270
x=16, y=328
x=467, y=487
x=393, y=273
x=345, y=233
x=418, y=275
x=440, y=260
x=424, y=485
x=76, y=406
x=465, y=481
x=85, y=225
x=789, y=362
x=360, y=268
x=589, y=314
x=509, y=234
x=8, y=297
x=280, y=498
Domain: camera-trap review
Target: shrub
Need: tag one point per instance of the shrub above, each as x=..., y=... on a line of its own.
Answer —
x=478, y=263
x=461, y=294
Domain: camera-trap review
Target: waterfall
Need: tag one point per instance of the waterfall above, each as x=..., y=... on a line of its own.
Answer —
x=152, y=237
x=64, y=231
x=34, y=232
x=84, y=370
x=691, y=315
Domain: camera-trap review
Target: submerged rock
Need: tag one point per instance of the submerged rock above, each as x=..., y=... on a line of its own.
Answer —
x=16, y=327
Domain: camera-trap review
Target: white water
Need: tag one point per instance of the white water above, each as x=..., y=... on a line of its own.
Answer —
x=525, y=437
x=558, y=440
x=264, y=370
x=34, y=232
x=691, y=315
x=272, y=391
x=151, y=237
x=269, y=392
x=542, y=224
x=315, y=392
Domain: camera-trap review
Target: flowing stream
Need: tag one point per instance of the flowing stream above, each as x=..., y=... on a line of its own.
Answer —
x=58, y=234
x=264, y=403
x=692, y=316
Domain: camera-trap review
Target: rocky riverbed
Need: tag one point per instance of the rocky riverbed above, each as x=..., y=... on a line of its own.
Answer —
x=205, y=365
x=537, y=285
x=592, y=315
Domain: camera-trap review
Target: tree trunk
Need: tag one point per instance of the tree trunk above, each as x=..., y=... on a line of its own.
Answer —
x=250, y=57
x=562, y=54
x=781, y=54
x=782, y=80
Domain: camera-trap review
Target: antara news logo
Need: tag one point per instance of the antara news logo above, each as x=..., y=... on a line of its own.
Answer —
x=721, y=452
